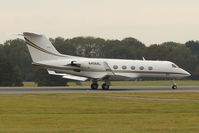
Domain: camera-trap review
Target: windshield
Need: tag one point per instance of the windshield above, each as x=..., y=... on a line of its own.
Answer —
x=174, y=66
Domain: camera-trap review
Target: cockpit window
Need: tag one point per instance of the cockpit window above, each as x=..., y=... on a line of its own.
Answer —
x=174, y=66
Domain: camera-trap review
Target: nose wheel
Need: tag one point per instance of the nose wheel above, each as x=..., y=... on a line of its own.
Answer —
x=174, y=86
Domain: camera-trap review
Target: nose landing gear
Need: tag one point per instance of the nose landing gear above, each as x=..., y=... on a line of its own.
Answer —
x=174, y=85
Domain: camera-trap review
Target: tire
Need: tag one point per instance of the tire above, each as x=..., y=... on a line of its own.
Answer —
x=94, y=86
x=174, y=87
x=105, y=86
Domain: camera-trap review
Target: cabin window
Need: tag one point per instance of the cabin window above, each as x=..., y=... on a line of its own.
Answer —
x=141, y=68
x=150, y=68
x=132, y=67
x=124, y=67
x=115, y=67
x=174, y=66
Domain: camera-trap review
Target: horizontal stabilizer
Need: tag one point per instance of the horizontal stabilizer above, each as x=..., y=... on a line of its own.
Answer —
x=68, y=76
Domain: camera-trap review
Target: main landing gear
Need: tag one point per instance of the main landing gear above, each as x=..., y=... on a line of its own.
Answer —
x=174, y=85
x=94, y=85
x=105, y=86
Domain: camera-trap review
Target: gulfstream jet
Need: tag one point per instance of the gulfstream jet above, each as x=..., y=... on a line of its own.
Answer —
x=44, y=54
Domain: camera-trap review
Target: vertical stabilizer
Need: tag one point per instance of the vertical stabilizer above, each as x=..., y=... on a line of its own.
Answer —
x=40, y=48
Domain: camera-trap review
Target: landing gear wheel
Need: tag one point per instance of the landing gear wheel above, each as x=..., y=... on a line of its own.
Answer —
x=94, y=86
x=174, y=87
x=105, y=86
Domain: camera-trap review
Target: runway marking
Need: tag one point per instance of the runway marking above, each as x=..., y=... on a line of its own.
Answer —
x=82, y=90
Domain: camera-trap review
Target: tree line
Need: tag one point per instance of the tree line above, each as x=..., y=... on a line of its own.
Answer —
x=15, y=61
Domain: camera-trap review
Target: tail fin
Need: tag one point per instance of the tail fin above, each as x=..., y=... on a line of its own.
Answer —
x=40, y=48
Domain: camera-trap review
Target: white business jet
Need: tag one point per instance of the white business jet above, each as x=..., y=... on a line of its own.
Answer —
x=44, y=54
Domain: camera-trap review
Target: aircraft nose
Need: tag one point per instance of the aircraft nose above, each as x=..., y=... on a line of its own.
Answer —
x=187, y=74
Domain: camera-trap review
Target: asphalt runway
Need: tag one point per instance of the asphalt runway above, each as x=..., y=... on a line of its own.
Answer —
x=45, y=90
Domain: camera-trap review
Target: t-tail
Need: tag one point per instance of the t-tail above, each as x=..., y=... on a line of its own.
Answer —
x=41, y=49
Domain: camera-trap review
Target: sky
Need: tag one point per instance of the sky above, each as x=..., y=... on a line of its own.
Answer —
x=150, y=21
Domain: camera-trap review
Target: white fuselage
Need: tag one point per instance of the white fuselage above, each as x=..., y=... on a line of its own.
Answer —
x=95, y=68
x=44, y=54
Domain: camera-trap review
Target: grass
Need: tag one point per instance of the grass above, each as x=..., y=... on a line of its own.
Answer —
x=130, y=83
x=29, y=84
x=176, y=112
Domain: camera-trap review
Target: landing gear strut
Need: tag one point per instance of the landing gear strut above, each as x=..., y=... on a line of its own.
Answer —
x=106, y=85
x=174, y=85
x=94, y=85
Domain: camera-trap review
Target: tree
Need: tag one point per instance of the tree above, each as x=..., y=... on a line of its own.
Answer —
x=17, y=52
x=2, y=50
x=63, y=46
x=17, y=77
x=108, y=46
x=183, y=57
x=42, y=78
x=156, y=52
x=170, y=45
x=193, y=46
x=196, y=73
x=132, y=42
x=9, y=75
x=88, y=46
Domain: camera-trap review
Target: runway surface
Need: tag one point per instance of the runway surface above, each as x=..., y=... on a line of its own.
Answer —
x=41, y=90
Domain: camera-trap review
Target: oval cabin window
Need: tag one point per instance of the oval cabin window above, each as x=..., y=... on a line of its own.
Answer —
x=133, y=68
x=150, y=68
x=124, y=67
x=141, y=68
x=115, y=67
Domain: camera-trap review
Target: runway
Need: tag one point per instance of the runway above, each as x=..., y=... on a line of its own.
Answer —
x=46, y=90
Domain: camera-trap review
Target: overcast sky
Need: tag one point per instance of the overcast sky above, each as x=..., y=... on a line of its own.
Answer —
x=150, y=21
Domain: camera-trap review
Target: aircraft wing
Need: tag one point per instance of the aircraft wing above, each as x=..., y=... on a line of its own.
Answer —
x=68, y=76
x=108, y=69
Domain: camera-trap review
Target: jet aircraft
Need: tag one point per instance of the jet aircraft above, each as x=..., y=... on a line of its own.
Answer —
x=44, y=54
